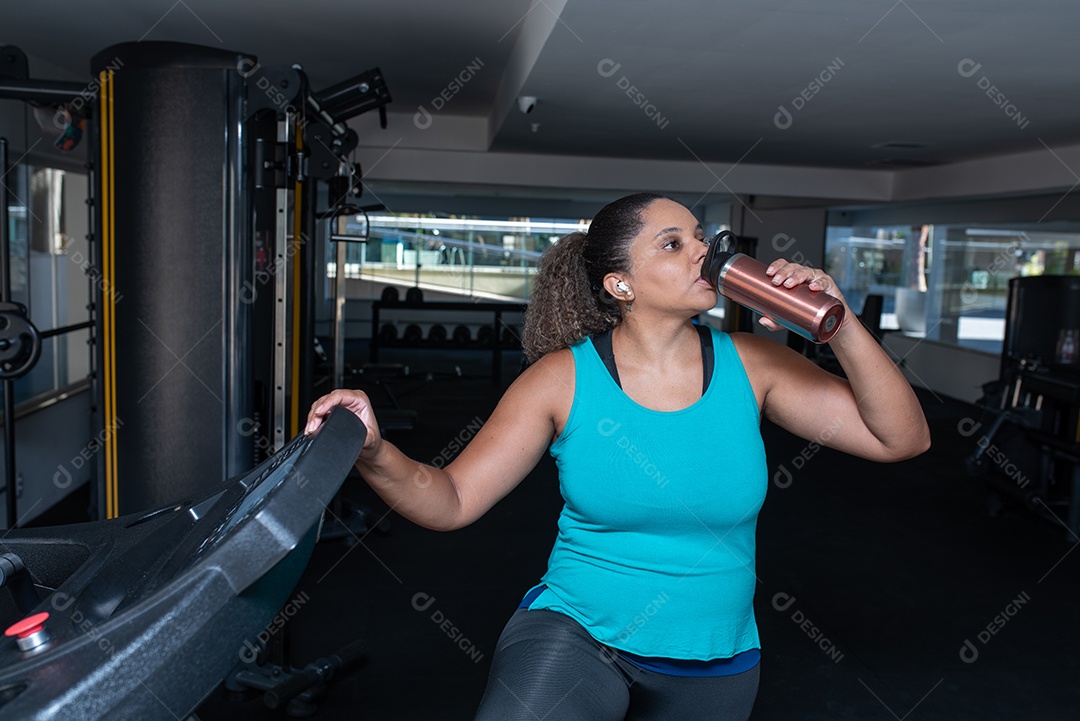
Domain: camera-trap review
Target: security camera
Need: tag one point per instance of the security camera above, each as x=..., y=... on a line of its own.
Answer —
x=526, y=104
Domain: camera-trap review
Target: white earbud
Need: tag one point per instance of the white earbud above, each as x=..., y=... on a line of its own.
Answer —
x=622, y=287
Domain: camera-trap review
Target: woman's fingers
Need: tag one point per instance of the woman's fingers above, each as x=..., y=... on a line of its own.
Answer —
x=354, y=401
x=790, y=275
x=319, y=410
x=770, y=324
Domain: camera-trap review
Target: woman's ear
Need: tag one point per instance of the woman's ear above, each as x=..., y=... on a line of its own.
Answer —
x=618, y=287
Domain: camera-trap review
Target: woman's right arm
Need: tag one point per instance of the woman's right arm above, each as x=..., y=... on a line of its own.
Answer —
x=504, y=451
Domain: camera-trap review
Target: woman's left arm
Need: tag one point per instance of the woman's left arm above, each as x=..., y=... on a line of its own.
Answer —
x=873, y=413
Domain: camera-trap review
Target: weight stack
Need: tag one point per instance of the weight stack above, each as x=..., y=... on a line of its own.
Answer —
x=172, y=214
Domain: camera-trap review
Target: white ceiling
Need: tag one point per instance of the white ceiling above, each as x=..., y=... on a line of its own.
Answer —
x=710, y=77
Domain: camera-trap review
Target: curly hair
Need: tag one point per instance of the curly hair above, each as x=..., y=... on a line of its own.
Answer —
x=568, y=300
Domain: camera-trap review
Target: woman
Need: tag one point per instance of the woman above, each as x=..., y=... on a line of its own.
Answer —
x=646, y=610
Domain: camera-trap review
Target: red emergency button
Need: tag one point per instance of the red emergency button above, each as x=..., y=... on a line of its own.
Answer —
x=30, y=632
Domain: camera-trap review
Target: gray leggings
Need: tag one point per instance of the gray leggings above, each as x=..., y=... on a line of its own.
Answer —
x=547, y=667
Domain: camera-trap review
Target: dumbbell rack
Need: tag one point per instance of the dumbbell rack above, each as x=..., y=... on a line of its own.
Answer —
x=496, y=309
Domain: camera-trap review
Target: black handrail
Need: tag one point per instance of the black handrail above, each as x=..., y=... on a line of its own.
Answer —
x=41, y=91
x=66, y=329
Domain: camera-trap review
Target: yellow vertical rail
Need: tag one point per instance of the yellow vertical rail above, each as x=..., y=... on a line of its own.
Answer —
x=108, y=286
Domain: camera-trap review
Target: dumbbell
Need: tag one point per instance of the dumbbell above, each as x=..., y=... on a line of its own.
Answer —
x=388, y=333
x=437, y=334
x=511, y=337
x=390, y=295
x=462, y=336
x=485, y=336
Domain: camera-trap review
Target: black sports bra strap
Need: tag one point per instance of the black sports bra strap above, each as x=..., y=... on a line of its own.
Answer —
x=602, y=343
x=706, y=356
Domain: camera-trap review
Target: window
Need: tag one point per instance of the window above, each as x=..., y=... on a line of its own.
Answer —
x=481, y=258
x=947, y=282
x=969, y=289
x=48, y=224
x=880, y=260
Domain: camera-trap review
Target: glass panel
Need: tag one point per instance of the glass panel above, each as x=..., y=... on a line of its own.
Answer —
x=878, y=260
x=479, y=258
x=19, y=231
x=50, y=271
x=947, y=282
x=970, y=287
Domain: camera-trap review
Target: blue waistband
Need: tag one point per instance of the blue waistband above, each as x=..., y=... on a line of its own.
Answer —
x=738, y=663
x=531, y=596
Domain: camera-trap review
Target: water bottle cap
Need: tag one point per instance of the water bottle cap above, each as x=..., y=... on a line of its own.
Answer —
x=717, y=256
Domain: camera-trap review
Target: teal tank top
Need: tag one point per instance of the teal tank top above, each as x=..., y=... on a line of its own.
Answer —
x=655, y=549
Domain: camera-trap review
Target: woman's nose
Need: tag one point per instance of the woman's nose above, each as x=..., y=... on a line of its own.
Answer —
x=700, y=250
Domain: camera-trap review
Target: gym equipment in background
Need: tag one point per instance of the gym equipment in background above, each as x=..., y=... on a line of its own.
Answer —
x=1028, y=439
x=143, y=615
x=20, y=342
x=20, y=347
x=205, y=166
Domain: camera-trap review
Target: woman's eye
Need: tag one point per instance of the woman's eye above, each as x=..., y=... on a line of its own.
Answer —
x=673, y=243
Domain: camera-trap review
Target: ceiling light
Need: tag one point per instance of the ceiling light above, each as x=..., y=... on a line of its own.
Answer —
x=898, y=145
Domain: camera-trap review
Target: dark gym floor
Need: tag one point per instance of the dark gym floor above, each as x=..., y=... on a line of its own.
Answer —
x=886, y=591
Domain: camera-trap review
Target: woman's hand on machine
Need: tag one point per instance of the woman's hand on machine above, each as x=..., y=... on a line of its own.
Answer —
x=355, y=402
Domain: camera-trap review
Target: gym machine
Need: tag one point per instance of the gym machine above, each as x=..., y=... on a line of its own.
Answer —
x=143, y=615
x=225, y=228
x=207, y=170
x=1028, y=439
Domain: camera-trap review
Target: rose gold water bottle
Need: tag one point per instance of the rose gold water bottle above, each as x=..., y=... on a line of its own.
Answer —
x=813, y=314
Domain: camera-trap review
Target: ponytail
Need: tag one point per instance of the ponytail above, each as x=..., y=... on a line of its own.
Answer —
x=568, y=301
x=563, y=308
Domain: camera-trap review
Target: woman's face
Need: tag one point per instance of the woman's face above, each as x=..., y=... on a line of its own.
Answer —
x=666, y=258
